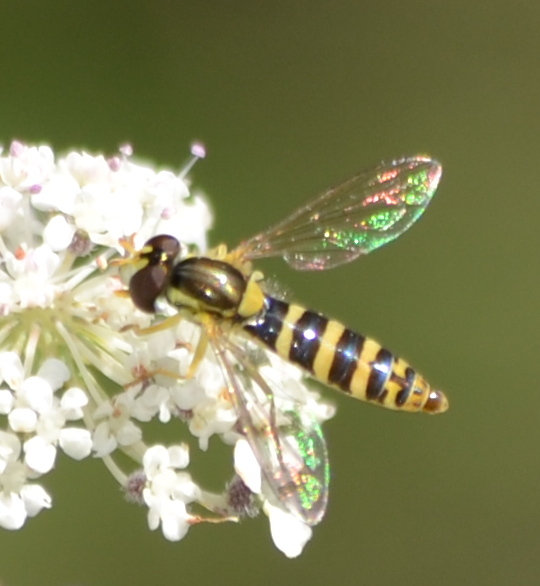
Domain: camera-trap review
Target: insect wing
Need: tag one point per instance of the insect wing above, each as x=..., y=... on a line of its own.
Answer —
x=288, y=445
x=352, y=219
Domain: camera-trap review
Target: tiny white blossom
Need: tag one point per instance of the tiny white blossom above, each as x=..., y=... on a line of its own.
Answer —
x=167, y=492
x=117, y=428
x=26, y=167
x=288, y=533
x=154, y=400
x=36, y=410
x=212, y=416
x=18, y=498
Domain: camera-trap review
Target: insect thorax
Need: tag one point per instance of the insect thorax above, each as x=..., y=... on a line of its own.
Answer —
x=201, y=284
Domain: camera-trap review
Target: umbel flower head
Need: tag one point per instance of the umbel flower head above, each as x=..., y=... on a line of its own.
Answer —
x=78, y=377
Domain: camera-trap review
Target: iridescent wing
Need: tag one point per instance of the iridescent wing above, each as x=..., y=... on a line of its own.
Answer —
x=352, y=219
x=288, y=444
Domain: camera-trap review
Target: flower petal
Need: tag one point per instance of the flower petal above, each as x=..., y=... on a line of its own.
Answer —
x=23, y=420
x=35, y=498
x=12, y=511
x=289, y=534
x=76, y=442
x=246, y=466
x=39, y=454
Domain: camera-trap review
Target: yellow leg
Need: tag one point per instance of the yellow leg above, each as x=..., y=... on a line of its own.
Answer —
x=198, y=355
x=169, y=322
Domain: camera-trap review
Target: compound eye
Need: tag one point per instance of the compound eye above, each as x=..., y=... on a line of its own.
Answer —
x=147, y=285
x=162, y=249
x=156, y=258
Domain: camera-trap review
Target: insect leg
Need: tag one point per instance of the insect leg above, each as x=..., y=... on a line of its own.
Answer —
x=198, y=355
x=169, y=322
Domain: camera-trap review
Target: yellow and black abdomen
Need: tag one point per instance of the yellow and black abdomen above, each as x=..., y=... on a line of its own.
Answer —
x=343, y=359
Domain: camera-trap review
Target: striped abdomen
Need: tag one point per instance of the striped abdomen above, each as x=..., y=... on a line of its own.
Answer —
x=343, y=359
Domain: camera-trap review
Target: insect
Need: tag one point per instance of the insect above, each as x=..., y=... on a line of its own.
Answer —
x=221, y=291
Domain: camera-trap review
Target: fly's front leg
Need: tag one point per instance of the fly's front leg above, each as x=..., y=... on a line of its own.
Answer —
x=167, y=323
x=198, y=354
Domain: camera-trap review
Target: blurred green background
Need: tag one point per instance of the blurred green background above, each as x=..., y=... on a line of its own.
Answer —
x=289, y=98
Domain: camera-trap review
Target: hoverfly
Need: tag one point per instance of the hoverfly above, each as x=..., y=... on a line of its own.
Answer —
x=221, y=292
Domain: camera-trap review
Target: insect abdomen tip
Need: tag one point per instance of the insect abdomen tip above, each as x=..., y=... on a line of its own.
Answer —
x=436, y=403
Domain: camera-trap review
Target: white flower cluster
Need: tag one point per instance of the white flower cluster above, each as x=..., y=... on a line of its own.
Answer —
x=75, y=375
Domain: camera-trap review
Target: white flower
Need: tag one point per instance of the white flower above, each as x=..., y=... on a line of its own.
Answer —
x=288, y=533
x=12, y=511
x=167, y=492
x=34, y=409
x=116, y=429
x=18, y=499
x=80, y=371
x=212, y=416
x=61, y=320
x=26, y=167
